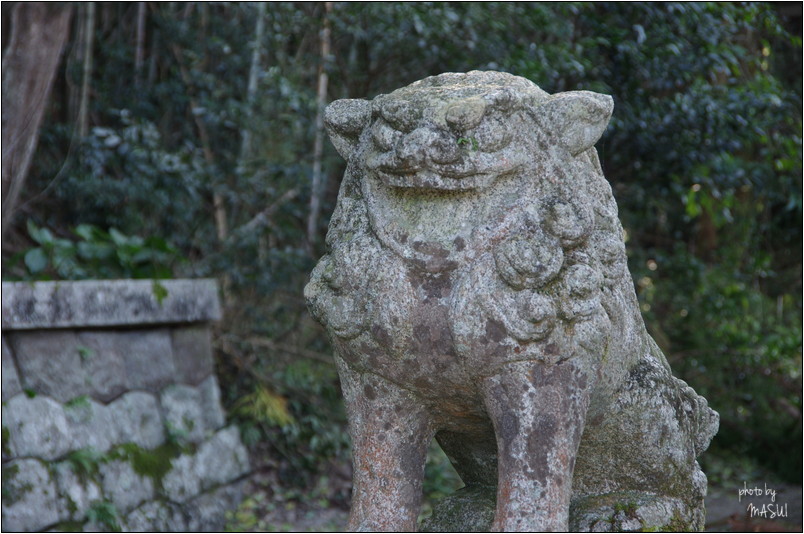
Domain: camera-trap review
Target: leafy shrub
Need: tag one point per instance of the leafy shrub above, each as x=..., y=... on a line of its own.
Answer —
x=95, y=254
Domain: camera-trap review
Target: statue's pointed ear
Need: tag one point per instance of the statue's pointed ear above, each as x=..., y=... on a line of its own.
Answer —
x=577, y=118
x=345, y=120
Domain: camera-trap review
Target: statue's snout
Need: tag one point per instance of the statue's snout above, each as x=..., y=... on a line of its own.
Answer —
x=425, y=146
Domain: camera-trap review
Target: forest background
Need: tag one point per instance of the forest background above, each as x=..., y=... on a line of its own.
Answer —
x=186, y=140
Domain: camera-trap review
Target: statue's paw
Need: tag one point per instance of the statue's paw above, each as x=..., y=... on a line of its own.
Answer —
x=705, y=421
x=338, y=306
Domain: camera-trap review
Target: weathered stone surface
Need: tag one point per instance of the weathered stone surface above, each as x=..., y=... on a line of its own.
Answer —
x=37, y=427
x=219, y=460
x=102, y=358
x=49, y=363
x=207, y=512
x=477, y=290
x=11, y=380
x=123, y=486
x=211, y=406
x=222, y=458
x=137, y=420
x=192, y=354
x=30, y=501
x=183, y=481
x=470, y=509
x=91, y=424
x=156, y=516
x=630, y=512
x=181, y=406
x=148, y=358
x=108, y=302
x=76, y=491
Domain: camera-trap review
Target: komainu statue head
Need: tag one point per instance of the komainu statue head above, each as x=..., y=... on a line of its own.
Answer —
x=476, y=290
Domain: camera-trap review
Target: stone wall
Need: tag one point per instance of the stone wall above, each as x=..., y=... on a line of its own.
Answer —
x=111, y=414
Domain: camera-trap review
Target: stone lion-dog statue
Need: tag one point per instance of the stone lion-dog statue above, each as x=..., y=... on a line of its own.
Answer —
x=476, y=290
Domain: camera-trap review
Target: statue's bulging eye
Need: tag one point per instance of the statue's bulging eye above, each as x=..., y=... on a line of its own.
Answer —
x=492, y=134
x=384, y=136
x=401, y=114
x=466, y=114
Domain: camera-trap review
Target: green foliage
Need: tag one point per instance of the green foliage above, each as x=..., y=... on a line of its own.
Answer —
x=264, y=406
x=6, y=441
x=96, y=254
x=104, y=514
x=85, y=462
x=440, y=479
x=739, y=347
x=80, y=402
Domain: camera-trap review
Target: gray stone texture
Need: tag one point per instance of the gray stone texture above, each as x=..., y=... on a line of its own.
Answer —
x=37, y=427
x=222, y=458
x=102, y=357
x=183, y=481
x=477, y=291
x=11, y=380
x=107, y=303
x=91, y=425
x=76, y=491
x=76, y=396
x=30, y=500
x=123, y=486
x=156, y=516
x=148, y=358
x=192, y=354
x=181, y=406
x=137, y=419
x=211, y=406
x=207, y=512
x=49, y=363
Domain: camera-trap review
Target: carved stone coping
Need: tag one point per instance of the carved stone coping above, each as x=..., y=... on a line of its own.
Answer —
x=92, y=303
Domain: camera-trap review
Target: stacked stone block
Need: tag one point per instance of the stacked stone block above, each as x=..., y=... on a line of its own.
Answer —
x=111, y=415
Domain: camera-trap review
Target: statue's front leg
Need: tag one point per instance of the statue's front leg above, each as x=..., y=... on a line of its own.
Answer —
x=390, y=435
x=538, y=412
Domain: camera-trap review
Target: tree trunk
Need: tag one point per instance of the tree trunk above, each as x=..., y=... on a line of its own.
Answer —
x=251, y=89
x=39, y=33
x=316, y=189
x=139, y=50
x=89, y=35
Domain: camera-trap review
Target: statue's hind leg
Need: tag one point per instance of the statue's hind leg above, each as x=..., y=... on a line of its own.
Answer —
x=636, y=466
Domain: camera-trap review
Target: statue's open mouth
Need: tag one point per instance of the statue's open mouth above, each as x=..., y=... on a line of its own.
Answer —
x=428, y=179
x=466, y=174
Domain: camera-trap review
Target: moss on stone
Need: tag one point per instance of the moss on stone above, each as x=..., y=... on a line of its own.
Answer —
x=68, y=526
x=85, y=463
x=12, y=491
x=104, y=513
x=154, y=464
x=72, y=507
x=6, y=442
x=629, y=507
x=677, y=524
x=78, y=403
